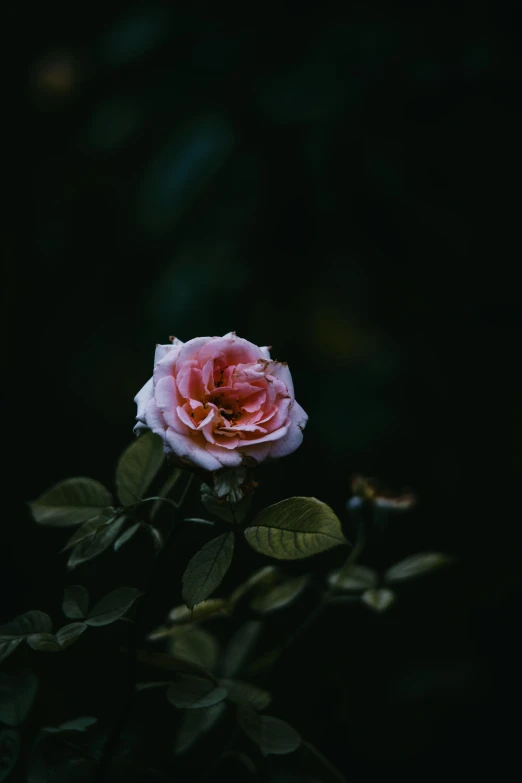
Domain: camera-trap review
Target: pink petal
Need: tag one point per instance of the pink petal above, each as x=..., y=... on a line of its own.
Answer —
x=281, y=414
x=280, y=371
x=258, y=451
x=189, y=382
x=192, y=450
x=293, y=439
x=168, y=399
x=163, y=350
x=190, y=350
x=235, y=349
x=280, y=433
x=142, y=398
x=228, y=458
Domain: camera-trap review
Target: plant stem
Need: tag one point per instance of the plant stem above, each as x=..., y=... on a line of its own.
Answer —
x=135, y=634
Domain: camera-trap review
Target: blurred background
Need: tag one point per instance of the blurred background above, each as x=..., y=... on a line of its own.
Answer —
x=342, y=185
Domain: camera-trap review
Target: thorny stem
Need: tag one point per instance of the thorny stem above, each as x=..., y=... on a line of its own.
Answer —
x=135, y=633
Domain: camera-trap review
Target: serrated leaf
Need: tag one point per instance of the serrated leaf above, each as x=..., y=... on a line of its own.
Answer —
x=69, y=633
x=95, y=543
x=318, y=765
x=9, y=751
x=197, y=645
x=44, y=642
x=76, y=724
x=17, y=694
x=207, y=568
x=194, y=724
x=71, y=502
x=164, y=492
x=137, y=467
x=295, y=528
x=194, y=692
x=6, y=648
x=244, y=693
x=126, y=535
x=281, y=595
x=112, y=606
x=75, y=604
x=378, y=599
x=272, y=735
x=241, y=644
x=26, y=624
x=229, y=512
x=356, y=577
x=415, y=565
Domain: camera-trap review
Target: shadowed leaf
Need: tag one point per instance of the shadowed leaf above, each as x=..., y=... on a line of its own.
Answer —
x=71, y=502
x=17, y=694
x=196, y=645
x=194, y=724
x=75, y=604
x=9, y=751
x=416, y=565
x=378, y=599
x=137, y=467
x=112, y=606
x=281, y=595
x=356, y=577
x=69, y=633
x=95, y=542
x=272, y=735
x=26, y=624
x=239, y=647
x=244, y=693
x=207, y=568
x=194, y=692
x=295, y=528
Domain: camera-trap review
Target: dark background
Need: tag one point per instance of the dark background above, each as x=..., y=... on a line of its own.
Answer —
x=343, y=186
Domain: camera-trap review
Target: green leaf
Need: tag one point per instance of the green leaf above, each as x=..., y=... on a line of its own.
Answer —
x=317, y=765
x=89, y=529
x=295, y=528
x=260, y=580
x=239, y=647
x=69, y=633
x=71, y=502
x=95, y=542
x=113, y=606
x=127, y=535
x=280, y=596
x=244, y=693
x=17, y=694
x=415, y=565
x=196, y=645
x=26, y=624
x=6, y=648
x=164, y=492
x=356, y=577
x=44, y=642
x=272, y=735
x=378, y=599
x=9, y=751
x=76, y=724
x=137, y=467
x=75, y=604
x=207, y=568
x=172, y=664
x=194, y=692
x=194, y=724
x=229, y=512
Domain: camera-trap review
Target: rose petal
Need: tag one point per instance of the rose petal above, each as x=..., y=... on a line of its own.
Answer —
x=142, y=398
x=265, y=352
x=235, y=349
x=293, y=439
x=280, y=371
x=259, y=451
x=168, y=399
x=281, y=413
x=163, y=350
x=191, y=449
x=227, y=457
x=189, y=382
x=190, y=349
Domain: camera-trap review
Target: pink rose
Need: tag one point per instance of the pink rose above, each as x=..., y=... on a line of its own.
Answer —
x=220, y=402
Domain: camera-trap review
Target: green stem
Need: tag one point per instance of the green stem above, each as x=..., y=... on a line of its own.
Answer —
x=136, y=632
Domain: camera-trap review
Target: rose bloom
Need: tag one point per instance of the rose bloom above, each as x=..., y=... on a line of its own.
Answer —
x=220, y=402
